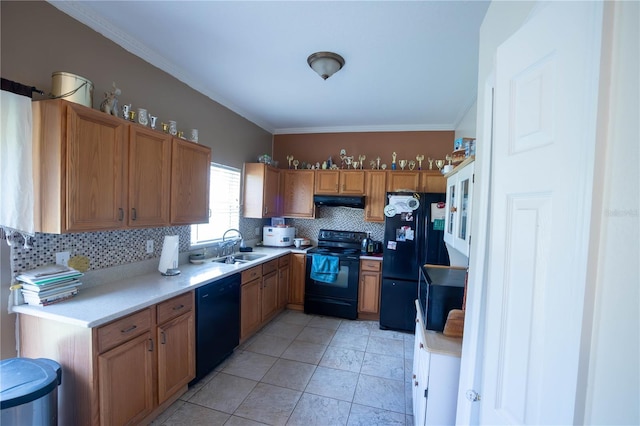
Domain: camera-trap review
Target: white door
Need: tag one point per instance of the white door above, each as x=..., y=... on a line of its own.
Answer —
x=543, y=155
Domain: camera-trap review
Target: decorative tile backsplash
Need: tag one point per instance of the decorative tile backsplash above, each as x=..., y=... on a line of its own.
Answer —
x=104, y=248
x=113, y=248
x=338, y=218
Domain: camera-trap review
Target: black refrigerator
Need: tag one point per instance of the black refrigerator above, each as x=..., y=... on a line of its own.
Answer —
x=413, y=236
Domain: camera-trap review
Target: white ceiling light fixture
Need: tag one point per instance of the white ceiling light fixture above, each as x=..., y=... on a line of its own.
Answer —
x=325, y=63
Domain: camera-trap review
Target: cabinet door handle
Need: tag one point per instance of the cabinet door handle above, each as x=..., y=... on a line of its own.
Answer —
x=177, y=308
x=415, y=383
x=129, y=330
x=134, y=215
x=163, y=337
x=454, y=209
x=150, y=345
x=120, y=214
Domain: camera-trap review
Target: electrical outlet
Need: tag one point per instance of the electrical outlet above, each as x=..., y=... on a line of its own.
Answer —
x=149, y=246
x=257, y=231
x=62, y=258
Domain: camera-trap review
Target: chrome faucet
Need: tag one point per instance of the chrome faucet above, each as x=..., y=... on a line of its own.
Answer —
x=231, y=244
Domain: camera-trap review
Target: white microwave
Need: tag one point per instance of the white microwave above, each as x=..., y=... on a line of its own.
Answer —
x=276, y=236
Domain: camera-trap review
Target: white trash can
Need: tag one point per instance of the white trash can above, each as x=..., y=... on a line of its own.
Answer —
x=29, y=391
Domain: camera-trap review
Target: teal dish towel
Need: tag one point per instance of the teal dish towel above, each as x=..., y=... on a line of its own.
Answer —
x=325, y=268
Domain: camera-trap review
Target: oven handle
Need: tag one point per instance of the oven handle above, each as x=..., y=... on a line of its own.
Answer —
x=327, y=300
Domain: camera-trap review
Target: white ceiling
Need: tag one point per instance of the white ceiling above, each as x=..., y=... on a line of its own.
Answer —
x=410, y=65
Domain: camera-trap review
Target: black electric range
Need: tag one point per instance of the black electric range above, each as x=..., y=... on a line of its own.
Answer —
x=332, y=276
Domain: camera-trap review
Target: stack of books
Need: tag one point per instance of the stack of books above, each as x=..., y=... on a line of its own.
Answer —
x=49, y=284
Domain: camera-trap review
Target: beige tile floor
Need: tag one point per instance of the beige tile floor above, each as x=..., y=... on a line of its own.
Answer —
x=306, y=370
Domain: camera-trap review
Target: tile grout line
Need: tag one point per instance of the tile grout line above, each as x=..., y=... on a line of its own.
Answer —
x=335, y=330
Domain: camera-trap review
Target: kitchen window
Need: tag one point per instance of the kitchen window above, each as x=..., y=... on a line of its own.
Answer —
x=224, y=204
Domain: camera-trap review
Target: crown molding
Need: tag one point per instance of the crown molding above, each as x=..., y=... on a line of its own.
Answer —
x=363, y=129
x=85, y=15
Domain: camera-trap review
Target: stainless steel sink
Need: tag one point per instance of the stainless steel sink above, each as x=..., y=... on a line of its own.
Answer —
x=229, y=260
x=238, y=258
x=247, y=257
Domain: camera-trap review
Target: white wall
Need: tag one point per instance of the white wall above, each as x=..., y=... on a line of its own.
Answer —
x=466, y=128
x=613, y=368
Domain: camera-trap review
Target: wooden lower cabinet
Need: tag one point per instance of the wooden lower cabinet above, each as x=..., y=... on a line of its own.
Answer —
x=176, y=338
x=125, y=372
x=296, y=284
x=250, y=304
x=260, y=297
x=369, y=289
x=125, y=377
x=269, y=296
x=283, y=281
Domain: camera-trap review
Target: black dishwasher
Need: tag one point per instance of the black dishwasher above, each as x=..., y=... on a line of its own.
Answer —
x=217, y=323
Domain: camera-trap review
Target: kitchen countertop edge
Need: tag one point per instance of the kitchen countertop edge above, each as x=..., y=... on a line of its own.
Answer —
x=436, y=342
x=99, y=305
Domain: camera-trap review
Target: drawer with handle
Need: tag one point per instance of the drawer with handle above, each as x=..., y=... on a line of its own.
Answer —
x=175, y=307
x=370, y=265
x=283, y=261
x=119, y=331
x=251, y=274
x=269, y=267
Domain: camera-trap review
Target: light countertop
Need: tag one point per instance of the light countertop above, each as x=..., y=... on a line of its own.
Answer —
x=371, y=257
x=435, y=341
x=97, y=305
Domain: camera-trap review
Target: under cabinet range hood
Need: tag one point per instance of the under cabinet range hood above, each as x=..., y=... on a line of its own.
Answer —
x=339, y=201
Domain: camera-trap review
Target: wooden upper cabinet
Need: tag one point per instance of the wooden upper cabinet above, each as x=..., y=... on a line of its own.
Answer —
x=261, y=191
x=433, y=181
x=149, y=177
x=352, y=182
x=327, y=182
x=190, y=168
x=375, y=196
x=94, y=172
x=398, y=180
x=297, y=193
x=79, y=174
x=345, y=182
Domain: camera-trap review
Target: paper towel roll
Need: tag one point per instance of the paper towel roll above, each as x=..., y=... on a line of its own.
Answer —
x=169, y=255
